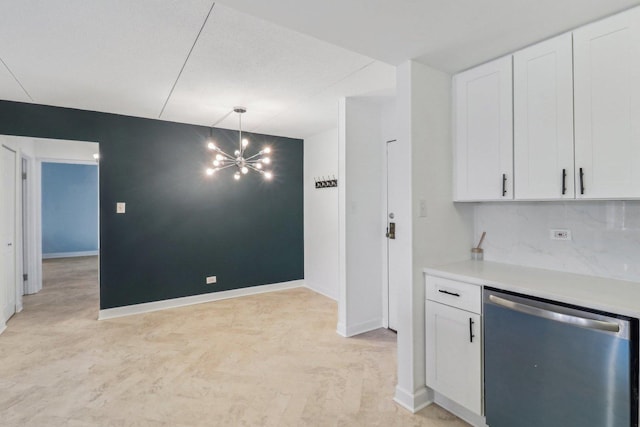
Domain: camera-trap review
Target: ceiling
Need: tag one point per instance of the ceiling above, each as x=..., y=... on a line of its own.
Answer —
x=287, y=61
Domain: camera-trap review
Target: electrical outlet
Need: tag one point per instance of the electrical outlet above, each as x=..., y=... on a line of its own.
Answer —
x=121, y=207
x=560, y=234
x=211, y=280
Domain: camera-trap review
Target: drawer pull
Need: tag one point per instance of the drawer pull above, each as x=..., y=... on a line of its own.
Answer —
x=442, y=291
x=471, y=330
x=504, y=184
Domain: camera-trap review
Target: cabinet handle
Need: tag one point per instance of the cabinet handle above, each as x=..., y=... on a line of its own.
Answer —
x=471, y=330
x=504, y=184
x=581, y=181
x=564, y=182
x=442, y=291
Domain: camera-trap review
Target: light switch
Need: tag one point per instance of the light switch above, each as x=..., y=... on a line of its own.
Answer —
x=423, y=208
x=120, y=207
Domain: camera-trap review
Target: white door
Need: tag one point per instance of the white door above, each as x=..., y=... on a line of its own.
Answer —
x=25, y=226
x=454, y=354
x=8, y=233
x=607, y=107
x=396, y=225
x=483, y=126
x=543, y=120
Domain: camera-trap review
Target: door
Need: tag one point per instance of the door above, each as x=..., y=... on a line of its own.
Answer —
x=543, y=120
x=547, y=364
x=8, y=233
x=25, y=227
x=395, y=263
x=483, y=126
x=455, y=366
x=607, y=108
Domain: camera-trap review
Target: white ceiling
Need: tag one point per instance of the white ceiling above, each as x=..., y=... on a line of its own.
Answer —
x=287, y=61
x=450, y=35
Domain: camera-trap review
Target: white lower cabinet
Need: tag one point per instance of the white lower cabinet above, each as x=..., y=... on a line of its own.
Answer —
x=454, y=345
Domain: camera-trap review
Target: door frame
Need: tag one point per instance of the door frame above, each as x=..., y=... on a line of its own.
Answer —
x=17, y=231
x=385, y=241
x=28, y=226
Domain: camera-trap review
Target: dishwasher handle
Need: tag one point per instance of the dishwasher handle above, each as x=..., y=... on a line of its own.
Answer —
x=553, y=315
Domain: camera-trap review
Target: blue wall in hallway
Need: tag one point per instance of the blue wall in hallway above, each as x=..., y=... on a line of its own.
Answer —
x=69, y=208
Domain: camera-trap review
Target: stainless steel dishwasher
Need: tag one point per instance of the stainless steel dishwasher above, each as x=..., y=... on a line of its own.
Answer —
x=547, y=364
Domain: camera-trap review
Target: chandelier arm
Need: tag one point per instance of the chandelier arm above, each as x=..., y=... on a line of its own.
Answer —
x=219, y=168
x=228, y=156
x=255, y=155
x=255, y=169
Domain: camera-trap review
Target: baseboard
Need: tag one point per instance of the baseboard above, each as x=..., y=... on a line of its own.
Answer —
x=341, y=329
x=413, y=401
x=322, y=292
x=69, y=254
x=148, y=307
x=359, y=328
x=459, y=411
x=3, y=327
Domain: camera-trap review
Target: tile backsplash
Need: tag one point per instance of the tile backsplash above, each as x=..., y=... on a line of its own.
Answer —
x=605, y=236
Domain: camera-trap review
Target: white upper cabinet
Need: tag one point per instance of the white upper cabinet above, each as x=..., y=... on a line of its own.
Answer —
x=607, y=107
x=483, y=127
x=543, y=120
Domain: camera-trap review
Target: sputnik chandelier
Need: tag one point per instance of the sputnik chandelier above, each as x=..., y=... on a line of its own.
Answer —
x=256, y=163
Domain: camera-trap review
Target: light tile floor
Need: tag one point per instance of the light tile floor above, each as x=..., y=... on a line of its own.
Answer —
x=266, y=360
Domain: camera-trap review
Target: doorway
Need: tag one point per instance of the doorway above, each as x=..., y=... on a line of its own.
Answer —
x=21, y=161
x=8, y=233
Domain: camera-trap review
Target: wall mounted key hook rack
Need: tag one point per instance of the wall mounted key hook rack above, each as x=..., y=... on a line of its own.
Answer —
x=326, y=183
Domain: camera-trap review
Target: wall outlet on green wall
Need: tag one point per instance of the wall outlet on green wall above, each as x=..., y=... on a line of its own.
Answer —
x=211, y=280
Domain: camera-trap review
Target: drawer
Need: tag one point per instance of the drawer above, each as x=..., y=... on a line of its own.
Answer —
x=456, y=294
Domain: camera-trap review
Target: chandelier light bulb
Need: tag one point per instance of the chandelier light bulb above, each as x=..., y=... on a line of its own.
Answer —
x=267, y=150
x=237, y=152
x=244, y=170
x=210, y=171
x=219, y=157
x=216, y=163
x=266, y=160
x=268, y=175
x=245, y=142
x=258, y=165
x=211, y=146
x=236, y=176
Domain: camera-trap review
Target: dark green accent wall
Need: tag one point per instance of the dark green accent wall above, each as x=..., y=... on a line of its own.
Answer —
x=180, y=225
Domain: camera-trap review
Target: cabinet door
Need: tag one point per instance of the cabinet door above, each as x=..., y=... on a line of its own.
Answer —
x=453, y=355
x=543, y=120
x=483, y=107
x=607, y=107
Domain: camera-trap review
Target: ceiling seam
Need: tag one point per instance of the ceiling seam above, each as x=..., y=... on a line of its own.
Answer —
x=16, y=79
x=316, y=93
x=186, y=60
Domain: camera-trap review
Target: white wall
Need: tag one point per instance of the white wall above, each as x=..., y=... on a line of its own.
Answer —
x=361, y=143
x=321, y=214
x=605, y=236
x=444, y=235
x=53, y=149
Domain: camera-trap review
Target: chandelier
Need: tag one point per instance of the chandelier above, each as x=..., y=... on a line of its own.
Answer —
x=243, y=164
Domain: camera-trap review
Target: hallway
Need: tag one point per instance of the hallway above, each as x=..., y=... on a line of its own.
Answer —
x=267, y=360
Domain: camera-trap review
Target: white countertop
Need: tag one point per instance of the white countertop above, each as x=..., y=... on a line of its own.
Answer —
x=616, y=296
